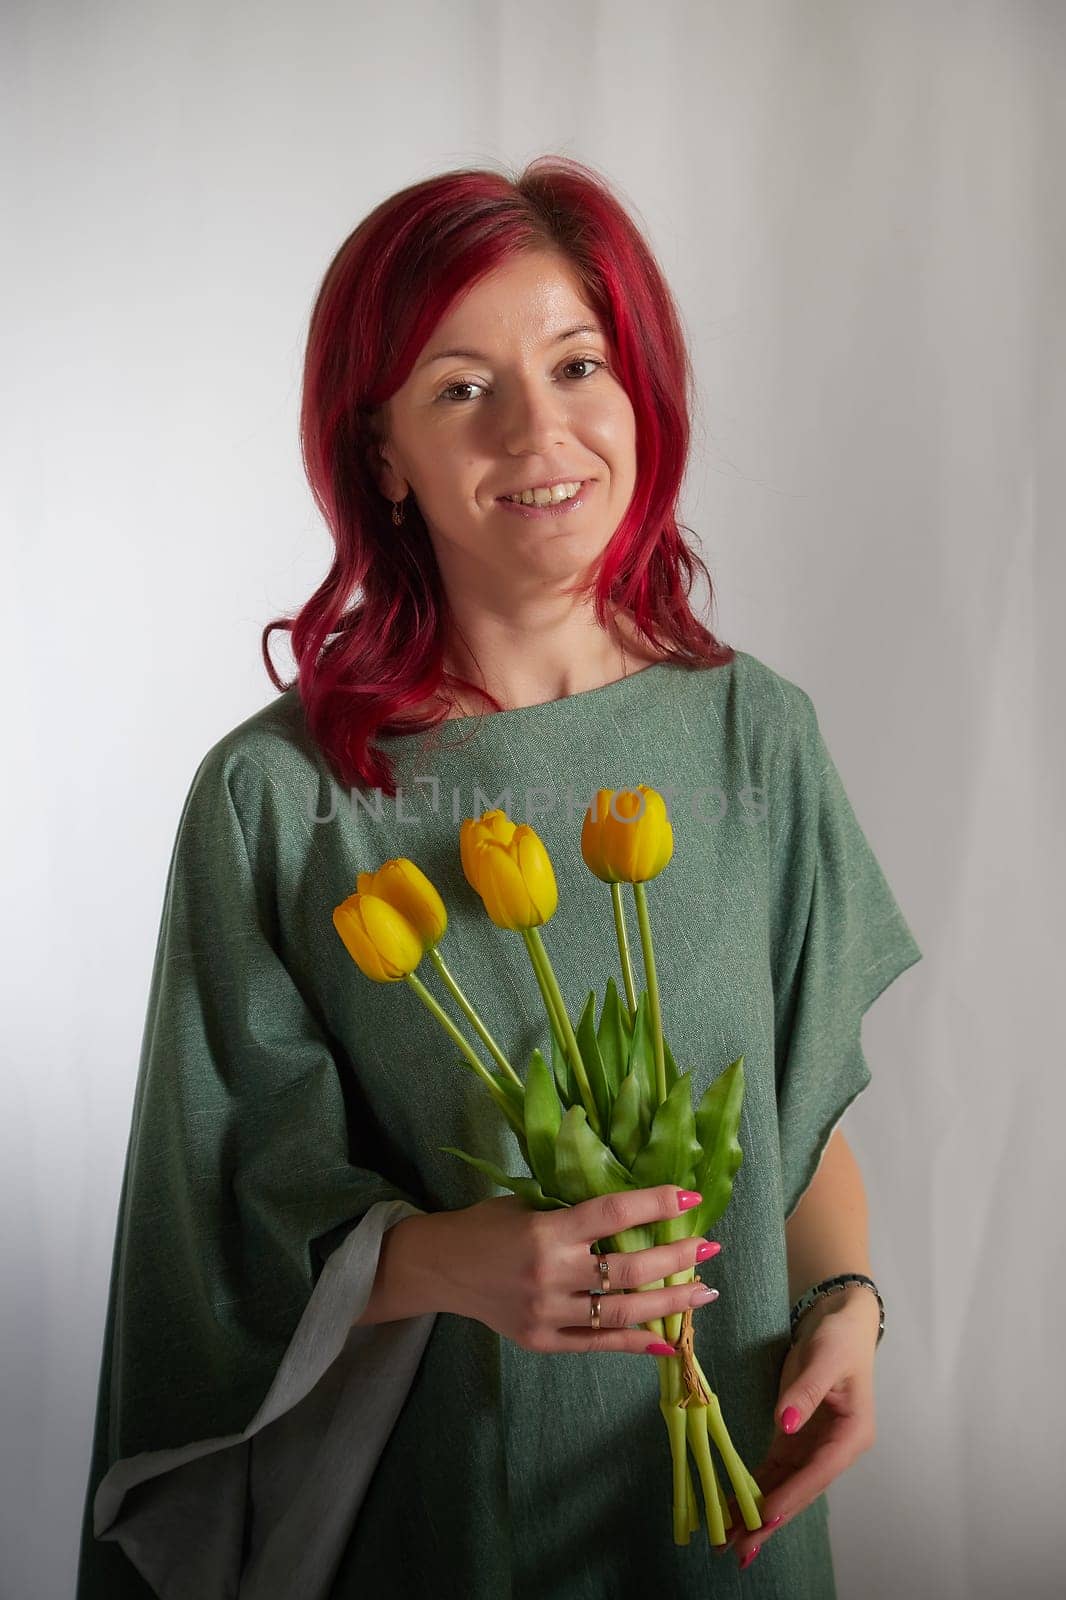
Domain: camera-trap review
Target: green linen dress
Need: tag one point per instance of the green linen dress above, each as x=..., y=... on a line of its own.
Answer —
x=249, y=1440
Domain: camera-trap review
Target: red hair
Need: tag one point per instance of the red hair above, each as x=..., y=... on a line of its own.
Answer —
x=364, y=666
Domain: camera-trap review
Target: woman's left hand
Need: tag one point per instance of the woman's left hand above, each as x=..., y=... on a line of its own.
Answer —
x=828, y=1380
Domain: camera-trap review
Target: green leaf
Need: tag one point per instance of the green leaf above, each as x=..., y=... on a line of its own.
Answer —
x=528, y=1188
x=584, y=1166
x=623, y=1012
x=672, y=1152
x=627, y=1133
x=721, y=1101
x=564, y=1073
x=514, y=1091
x=508, y=1098
x=589, y=1050
x=672, y=1071
x=543, y=1115
x=717, y=1121
x=642, y=1053
x=612, y=1036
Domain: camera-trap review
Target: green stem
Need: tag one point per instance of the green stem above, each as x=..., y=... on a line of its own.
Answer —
x=677, y=1428
x=453, y=1033
x=656, y=1326
x=693, y=1508
x=668, y=1407
x=688, y=1425
x=739, y=1475
x=713, y=1499
x=623, y=949
x=546, y=995
x=543, y=968
x=698, y=1419
x=672, y=1323
x=460, y=998
x=749, y=1495
x=641, y=897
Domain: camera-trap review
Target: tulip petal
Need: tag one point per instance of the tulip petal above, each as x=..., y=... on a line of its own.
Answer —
x=656, y=842
x=592, y=841
x=397, y=943
x=492, y=827
x=349, y=924
x=468, y=837
x=404, y=885
x=502, y=888
x=534, y=864
x=498, y=825
x=621, y=829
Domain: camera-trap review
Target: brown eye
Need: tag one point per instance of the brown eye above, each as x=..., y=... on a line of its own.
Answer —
x=586, y=361
x=446, y=394
x=449, y=396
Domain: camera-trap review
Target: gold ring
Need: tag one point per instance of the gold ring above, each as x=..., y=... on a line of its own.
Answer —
x=595, y=1295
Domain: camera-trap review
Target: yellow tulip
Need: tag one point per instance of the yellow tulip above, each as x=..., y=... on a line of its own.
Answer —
x=410, y=892
x=379, y=939
x=620, y=846
x=491, y=826
x=510, y=869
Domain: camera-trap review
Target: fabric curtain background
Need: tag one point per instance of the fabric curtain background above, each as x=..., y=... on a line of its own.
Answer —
x=860, y=210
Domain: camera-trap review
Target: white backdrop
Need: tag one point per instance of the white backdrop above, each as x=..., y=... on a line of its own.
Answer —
x=859, y=207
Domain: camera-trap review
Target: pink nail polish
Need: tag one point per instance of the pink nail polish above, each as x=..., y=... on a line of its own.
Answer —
x=790, y=1419
x=660, y=1349
x=772, y=1522
x=750, y=1557
x=687, y=1198
x=709, y=1248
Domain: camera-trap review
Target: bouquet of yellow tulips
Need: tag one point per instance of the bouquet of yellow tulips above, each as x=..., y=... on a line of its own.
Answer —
x=612, y=1111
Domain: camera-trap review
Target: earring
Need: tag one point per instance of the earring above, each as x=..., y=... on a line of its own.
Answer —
x=397, y=512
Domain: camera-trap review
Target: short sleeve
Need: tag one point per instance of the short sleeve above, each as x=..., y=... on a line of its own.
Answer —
x=837, y=940
x=240, y=1411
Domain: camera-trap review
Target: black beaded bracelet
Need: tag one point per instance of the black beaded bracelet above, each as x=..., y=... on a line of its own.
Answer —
x=835, y=1285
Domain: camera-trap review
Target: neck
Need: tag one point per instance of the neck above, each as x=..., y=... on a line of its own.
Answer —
x=521, y=670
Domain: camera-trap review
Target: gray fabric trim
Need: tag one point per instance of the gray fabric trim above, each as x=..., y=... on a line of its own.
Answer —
x=265, y=1514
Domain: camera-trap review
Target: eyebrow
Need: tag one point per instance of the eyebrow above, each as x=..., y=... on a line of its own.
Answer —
x=476, y=355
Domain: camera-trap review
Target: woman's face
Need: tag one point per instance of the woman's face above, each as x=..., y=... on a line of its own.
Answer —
x=525, y=409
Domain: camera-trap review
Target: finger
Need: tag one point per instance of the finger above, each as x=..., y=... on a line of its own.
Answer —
x=590, y=1341
x=630, y=1309
x=802, y=1488
x=769, y=1477
x=608, y=1214
x=634, y=1269
x=827, y=1462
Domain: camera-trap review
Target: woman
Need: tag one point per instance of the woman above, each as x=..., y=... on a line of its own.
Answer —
x=334, y=1363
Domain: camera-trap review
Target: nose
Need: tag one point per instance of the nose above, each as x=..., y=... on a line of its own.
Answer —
x=532, y=417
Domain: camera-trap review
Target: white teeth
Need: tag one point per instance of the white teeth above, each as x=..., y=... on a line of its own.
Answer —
x=545, y=497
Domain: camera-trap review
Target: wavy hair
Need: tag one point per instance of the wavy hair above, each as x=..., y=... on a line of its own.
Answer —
x=369, y=643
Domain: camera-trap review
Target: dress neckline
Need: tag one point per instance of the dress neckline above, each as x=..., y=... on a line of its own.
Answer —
x=604, y=693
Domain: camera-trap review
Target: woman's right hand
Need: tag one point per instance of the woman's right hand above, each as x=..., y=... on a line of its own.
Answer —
x=527, y=1274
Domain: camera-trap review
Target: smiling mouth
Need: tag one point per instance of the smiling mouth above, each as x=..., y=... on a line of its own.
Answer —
x=551, y=510
x=552, y=499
